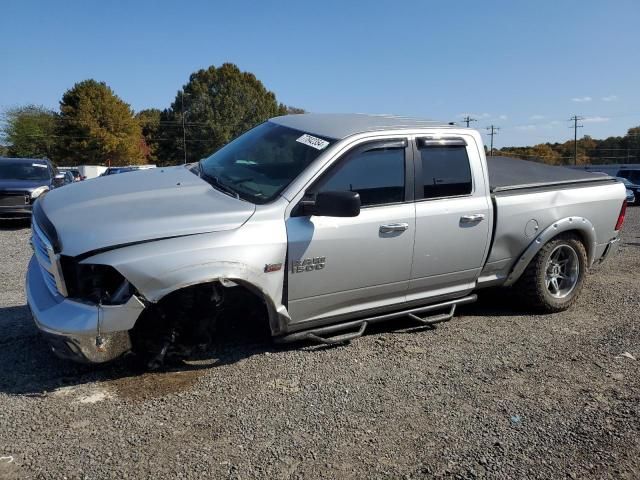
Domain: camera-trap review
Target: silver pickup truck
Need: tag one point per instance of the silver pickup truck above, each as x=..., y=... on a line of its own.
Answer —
x=324, y=223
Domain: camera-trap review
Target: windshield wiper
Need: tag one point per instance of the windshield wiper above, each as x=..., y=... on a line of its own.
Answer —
x=216, y=183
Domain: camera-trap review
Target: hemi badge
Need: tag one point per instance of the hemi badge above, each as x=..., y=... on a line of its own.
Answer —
x=272, y=267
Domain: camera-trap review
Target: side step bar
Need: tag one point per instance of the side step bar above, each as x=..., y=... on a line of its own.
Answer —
x=322, y=334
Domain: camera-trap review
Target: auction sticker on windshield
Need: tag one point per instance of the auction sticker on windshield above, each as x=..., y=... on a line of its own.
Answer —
x=312, y=141
x=41, y=165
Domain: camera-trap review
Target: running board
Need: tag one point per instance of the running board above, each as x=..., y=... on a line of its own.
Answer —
x=323, y=334
x=432, y=320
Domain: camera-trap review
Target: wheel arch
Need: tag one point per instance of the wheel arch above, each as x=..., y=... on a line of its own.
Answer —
x=228, y=275
x=579, y=225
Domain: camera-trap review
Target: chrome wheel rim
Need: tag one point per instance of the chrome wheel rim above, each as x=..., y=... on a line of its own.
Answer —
x=562, y=272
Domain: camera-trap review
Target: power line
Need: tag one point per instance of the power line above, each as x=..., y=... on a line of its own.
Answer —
x=493, y=130
x=575, y=120
x=468, y=120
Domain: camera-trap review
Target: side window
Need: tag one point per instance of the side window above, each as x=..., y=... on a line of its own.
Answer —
x=377, y=175
x=445, y=171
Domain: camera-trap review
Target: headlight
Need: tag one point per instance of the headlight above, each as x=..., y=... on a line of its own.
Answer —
x=38, y=191
x=95, y=283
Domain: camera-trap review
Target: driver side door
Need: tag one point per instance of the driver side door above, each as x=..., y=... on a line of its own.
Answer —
x=338, y=267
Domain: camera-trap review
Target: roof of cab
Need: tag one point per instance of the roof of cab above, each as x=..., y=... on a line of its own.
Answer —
x=342, y=125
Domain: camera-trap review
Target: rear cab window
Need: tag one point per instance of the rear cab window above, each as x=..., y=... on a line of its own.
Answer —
x=443, y=169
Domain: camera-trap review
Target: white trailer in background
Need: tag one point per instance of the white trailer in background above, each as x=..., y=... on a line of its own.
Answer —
x=91, y=171
x=87, y=171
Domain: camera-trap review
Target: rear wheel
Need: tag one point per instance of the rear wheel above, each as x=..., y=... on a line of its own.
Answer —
x=554, y=278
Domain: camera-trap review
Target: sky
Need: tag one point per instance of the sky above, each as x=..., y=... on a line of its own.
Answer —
x=523, y=66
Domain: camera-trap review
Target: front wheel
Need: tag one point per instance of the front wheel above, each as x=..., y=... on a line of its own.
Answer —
x=554, y=278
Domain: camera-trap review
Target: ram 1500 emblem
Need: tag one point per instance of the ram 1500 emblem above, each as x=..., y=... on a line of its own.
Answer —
x=308, y=264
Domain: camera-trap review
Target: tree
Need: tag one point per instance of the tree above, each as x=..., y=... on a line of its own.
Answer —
x=97, y=127
x=30, y=131
x=590, y=151
x=149, y=121
x=289, y=110
x=219, y=104
x=632, y=145
x=545, y=154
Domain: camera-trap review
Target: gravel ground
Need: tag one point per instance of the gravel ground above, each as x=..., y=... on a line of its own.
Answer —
x=495, y=393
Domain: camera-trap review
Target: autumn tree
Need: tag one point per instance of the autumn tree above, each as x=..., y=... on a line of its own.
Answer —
x=149, y=121
x=544, y=153
x=97, y=127
x=590, y=151
x=218, y=104
x=29, y=131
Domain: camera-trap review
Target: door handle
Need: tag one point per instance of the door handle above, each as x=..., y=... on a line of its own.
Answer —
x=476, y=217
x=394, y=227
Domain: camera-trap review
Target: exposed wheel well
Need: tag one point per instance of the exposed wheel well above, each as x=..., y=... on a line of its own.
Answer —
x=192, y=317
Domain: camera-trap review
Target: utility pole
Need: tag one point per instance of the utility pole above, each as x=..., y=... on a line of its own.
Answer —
x=468, y=120
x=575, y=120
x=184, y=131
x=493, y=130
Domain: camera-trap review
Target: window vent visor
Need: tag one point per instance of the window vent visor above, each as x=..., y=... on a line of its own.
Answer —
x=441, y=142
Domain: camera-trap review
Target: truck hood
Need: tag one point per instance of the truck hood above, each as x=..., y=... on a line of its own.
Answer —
x=138, y=206
x=9, y=184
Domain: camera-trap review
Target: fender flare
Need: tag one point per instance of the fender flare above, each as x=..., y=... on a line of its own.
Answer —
x=567, y=224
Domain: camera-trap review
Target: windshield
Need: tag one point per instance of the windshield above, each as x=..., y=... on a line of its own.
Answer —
x=259, y=164
x=24, y=171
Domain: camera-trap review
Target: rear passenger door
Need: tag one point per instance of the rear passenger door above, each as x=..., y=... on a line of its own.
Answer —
x=453, y=217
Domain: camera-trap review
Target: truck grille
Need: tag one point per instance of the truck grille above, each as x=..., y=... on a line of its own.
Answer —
x=13, y=199
x=48, y=261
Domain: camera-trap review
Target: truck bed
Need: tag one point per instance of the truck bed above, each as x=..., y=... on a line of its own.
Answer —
x=507, y=174
x=529, y=197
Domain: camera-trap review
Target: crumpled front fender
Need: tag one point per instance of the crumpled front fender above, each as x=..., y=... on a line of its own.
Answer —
x=158, y=268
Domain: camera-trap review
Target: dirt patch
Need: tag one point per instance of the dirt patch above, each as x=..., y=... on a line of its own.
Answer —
x=156, y=384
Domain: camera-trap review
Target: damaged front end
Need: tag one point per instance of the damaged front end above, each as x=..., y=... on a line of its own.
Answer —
x=182, y=322
x=80, y=329
x=104, y=317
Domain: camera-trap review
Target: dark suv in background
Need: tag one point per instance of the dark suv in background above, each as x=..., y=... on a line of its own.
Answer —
x=631, y=174
x=22, y=181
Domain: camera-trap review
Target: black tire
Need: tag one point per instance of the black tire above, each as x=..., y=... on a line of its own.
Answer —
x=532, y=288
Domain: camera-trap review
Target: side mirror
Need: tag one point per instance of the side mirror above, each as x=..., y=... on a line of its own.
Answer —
x=336, y=204
x=58, y=180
